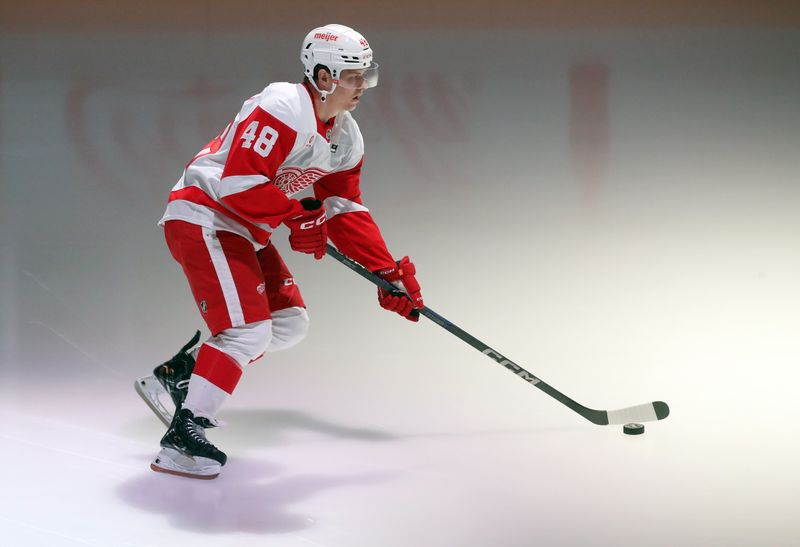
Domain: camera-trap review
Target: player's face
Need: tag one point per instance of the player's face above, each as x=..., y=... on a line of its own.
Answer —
x=353, y=83
x=348, y=96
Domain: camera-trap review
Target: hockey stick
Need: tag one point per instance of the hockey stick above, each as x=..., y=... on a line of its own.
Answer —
x=648, y=412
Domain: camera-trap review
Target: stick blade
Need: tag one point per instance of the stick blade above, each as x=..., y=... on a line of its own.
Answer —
x=649, y=412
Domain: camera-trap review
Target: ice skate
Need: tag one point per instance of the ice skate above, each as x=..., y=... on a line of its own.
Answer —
x=169, y=378
x=186, y=452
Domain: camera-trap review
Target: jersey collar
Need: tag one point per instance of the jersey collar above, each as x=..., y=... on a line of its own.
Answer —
x=323, y=128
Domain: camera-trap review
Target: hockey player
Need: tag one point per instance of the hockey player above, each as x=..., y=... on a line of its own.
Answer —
x=219, y=220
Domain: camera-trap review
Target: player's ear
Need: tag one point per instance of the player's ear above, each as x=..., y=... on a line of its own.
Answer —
x=324, y=80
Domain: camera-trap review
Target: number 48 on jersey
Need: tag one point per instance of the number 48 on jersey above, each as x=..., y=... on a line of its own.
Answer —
x=266, y=138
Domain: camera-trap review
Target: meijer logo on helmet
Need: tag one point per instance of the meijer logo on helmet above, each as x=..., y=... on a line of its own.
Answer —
x=327, y=36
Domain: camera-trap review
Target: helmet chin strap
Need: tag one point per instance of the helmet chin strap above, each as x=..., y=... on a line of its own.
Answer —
x=323, y=95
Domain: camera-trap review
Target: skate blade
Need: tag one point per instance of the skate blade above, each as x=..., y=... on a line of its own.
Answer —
x=149, y=389
x=172, y=462
x=158, y=469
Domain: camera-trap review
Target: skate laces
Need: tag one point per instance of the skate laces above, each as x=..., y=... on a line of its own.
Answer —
x=196, y=433
x=194, y=429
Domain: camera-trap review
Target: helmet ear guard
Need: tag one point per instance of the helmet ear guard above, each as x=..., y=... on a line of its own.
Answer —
x=312, y=75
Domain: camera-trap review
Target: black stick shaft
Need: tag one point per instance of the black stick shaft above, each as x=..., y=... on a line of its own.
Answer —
x=595, y=416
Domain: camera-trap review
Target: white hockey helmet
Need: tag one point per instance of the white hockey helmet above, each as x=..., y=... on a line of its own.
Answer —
x=338, y=48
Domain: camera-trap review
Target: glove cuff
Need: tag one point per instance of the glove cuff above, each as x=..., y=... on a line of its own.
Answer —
x=311, y=204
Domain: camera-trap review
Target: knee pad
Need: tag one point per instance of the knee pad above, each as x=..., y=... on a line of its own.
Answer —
x=289, y=327
x=244, y=343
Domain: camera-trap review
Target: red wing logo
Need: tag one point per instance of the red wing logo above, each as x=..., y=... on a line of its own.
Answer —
x=364, y=43
x=291, y=180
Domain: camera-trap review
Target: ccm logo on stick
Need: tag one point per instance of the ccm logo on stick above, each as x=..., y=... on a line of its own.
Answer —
x=528, y=377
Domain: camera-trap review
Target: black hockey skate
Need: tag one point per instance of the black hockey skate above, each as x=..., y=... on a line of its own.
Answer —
x=171, y=378
x=186, y=452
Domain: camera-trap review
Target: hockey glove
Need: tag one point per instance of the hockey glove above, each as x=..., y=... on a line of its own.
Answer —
x=407, y=298
x=308, y=231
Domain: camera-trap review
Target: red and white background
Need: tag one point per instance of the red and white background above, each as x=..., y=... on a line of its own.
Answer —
x=608, y=196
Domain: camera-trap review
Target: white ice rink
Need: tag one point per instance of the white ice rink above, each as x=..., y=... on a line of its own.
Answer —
x=618, y=212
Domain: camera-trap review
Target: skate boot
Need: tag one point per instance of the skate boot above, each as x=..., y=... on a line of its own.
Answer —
x=186, y=452
x=170, y=378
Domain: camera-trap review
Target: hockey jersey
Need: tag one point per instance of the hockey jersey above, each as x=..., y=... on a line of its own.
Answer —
x=276, y=146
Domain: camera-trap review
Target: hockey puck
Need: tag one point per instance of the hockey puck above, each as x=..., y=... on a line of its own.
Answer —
x=633, y=429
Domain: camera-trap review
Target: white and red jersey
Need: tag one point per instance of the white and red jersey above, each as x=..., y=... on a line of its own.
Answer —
x=276, y=146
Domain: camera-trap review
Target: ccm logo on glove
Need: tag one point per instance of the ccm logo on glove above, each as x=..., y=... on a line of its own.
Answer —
x=313, y=223
x=308, y=231
x=408, y=296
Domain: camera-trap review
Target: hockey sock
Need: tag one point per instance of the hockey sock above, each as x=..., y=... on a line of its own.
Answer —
x=214, y=378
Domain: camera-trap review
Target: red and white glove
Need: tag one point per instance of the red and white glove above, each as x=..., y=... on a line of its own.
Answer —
x=308, y=231
x=407, y=298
